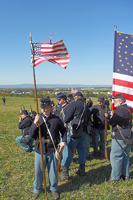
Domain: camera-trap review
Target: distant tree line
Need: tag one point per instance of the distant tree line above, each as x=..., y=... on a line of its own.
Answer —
x=52, y=92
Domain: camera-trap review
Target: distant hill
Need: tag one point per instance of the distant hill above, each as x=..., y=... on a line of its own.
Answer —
x=51, y=86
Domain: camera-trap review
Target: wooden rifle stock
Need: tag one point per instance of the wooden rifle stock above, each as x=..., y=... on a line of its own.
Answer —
x=75, y=151
x=105, y=136
x=59, y=164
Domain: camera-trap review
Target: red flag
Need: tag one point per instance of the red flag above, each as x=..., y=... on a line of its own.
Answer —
x=123, y=68
x=52, y=52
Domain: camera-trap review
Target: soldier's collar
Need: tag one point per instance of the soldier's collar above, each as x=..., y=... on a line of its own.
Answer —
x=45, y=116
x=64, y=105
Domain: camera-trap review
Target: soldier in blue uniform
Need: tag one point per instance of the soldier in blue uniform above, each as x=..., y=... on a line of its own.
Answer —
x=86, y=129
x=25, y=122
x=56, y=127
x=121, y=117
x=58, y=106
x=63, y=103
x=98, y=115
x=89, y=102
x=52, y=105
x=62, y=100
x=70, y=98
x=74, y=117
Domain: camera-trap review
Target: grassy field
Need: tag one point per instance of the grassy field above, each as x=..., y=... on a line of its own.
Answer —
x=17, y=167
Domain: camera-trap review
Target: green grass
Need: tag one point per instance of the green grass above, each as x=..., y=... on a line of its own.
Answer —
x=17, y=168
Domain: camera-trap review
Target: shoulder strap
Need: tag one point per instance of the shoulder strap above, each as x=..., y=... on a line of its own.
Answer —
x=49, y=132
x=81, y=117
x=130, y=114
x=62, y=110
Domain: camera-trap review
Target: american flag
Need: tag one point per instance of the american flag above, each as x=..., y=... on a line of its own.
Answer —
x=123, y=67
x=74, y=90
x=52, y=52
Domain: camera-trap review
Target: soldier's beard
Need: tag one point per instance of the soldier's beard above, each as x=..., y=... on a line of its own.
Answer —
x=117, y=105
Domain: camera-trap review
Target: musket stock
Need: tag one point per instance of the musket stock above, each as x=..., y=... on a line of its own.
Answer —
x=59, y=164
x=75, y=151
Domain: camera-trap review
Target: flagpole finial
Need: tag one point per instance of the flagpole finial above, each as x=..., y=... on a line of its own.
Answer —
x=30, y=39
x=115, y=27
x=51, y=36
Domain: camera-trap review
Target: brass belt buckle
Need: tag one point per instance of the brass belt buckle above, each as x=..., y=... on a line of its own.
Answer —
x=47, y=140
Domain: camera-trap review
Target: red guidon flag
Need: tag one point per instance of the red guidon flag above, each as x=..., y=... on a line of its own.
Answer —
x=53, y=52
x=123, y=67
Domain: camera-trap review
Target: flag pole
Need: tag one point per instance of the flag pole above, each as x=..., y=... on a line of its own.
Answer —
x=105, y=136
x=32, y=65
x=115, y=35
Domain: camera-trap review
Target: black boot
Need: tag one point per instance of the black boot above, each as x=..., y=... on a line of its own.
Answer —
x=125, y=178
x=65, y=174
x=81, y=171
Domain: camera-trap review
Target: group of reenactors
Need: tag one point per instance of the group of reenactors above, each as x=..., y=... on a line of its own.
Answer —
x=68, y=126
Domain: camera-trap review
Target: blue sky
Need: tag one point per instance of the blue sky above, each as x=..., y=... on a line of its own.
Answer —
x=87, y=28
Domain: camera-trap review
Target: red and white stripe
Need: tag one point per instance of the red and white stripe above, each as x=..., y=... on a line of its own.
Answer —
x=57, y=50
x=123, y=84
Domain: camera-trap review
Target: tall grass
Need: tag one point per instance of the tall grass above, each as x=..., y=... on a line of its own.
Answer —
x=17, y=167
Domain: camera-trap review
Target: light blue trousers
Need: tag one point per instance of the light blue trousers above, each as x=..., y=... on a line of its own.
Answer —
x=66, y=150
x=69, y=150
x=119, y=161
x=52, y=163
x=25, y=147
x=87, y=145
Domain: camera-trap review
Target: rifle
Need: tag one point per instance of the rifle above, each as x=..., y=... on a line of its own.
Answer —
x=91, y=130
x=105, y=136
x=30, y=108
x=59, y=164
x=75, y=151
x=113, y=134
x=21, y=119
x=20, y=108
x=55, y=110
